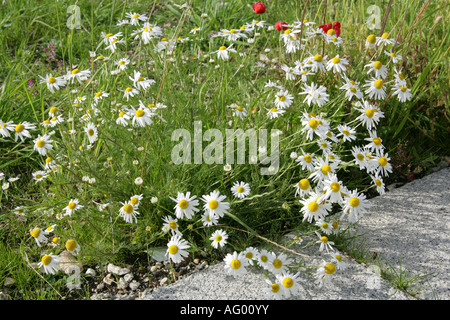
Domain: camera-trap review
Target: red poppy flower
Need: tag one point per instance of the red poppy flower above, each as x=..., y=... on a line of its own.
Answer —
x=281, y=26
x=259, y=7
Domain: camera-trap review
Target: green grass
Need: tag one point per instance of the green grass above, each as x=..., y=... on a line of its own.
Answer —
x=193, y=89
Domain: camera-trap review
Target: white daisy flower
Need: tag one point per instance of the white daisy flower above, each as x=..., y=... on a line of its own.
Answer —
x=240, y=189
x=218, y=238
x=370, y=115
x=140, y=82
x=235, y=263
x=355, y=205
x=283, y=99
x=73, y=247
x=186, y=206
x=53, y=83
x=289, y=283
x=123, y=63
x=323, y=274
x=278, y=264
x=71, y=207
x=303, y=188
x=395, y=57
x=50, y=263
x=223, y=52
x=135, y=18
x=21, y=130
x=325, y=244
x=79, y=75
x=39, y=236
x=379, y=70
x=347, y=133
x=337, y=64
x=273, y=291
x=214, y=204
x=128, y=212
x=171, y=224
x=375, y=89
x=176, y=249
x=209, y=219
x=91, y=131
x=42, y=144
x=402, y=92
x=274, y=113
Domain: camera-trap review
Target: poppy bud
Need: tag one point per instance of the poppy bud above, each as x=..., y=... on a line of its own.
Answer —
x=336, y=25
x=259, y=7
x=281, y=25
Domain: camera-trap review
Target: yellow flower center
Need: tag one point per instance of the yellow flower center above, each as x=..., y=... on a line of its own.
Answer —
x=354, y=202
x=288, y=282
x=222, y=48
x=128, y=208
x=336, y=59
x=403, y=88
x=377, y=65
x=313, y=123
x=370, y=113
x=75, y=71
x=318, y=58
x=330, y=268
x=235, y=264
x=183, y=204
x=264, y=258
x=331, y=32
x=326, y=169
x=277, y=263
x=140, y=113
x=378, y=182
x=98, y=94
x=274, y=110
x=122, y=63
x=377, y=141
x=325, y=225
x=371, y=39
x=55, y=240
x=173, y=249
x=275, y=288
x=46, y=260
x=91, y=132
x=313, y=206
x=304, y=184
x=134, y=201
x=213, y=204
x=135, y=16
x=249, y=255
x=35, y=232
x=240, y=189
x=335, y=224
x=385, y=35
x=109, y=35
x=352, y=89
x=382, y=161
x=360, y=157
x=335, y=186
x=128, y=89
x=233, y=31
x=173, y=224
x=240, y=108
x=71, y=245
x=48, y=160
x=378, y=84
x=72, y=205
x=51, y=80
x=282, y=98
x=324, y=239
x=218, y=238
x=308, y=158
x=346, y=132
x=19, y=128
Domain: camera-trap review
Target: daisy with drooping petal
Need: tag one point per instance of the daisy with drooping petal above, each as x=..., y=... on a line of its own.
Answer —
x=283, y=99
x=136, y=200
x=324, y=226
x=91, y=131
x=347, y=133
x=352, y=89
x=42, y=144
x=6, y=127
x=141, y=82
x=314, y=208
x=21, y=130
x=79, y=75
x=381, y=165
x=176, y=249
x=99, y=96
x=378, y=182
x=375, y=143
x=209, y=219
x=273, y=290
x=39, y=236
x=290, y=72
x=235, y=263
x=219, y=238
x=303, y=188
x=323, y=274
x=333, y=188
x=72, y=207
x=122, y=63
x=338, y=260
x=39, y=175
x=315, y=94
x=384, y=40
x=53, y=83
x=186, y=206
x=371, y=42
x=263, y=258
x=395, y=57
x=171, y=224
x=278, y=263
x=355, y=205
x=135, y=18
x=306, y=161
x=375, y=88
x=337, y=64
x=141, y=117
x=402, y=92
x=214, y=204
x=318, y=63
x=359, y=158
x=325, y=244
x=379, y=70
x=50, y=263
x=223, y=52
x=128, y=212
x=73, y=247
x=370, y=115
x=240, y=189
x=251, y=254
x=274, y=113
x=289, y=283
x=322, y=169
x=123, y=118
x=129, y=92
